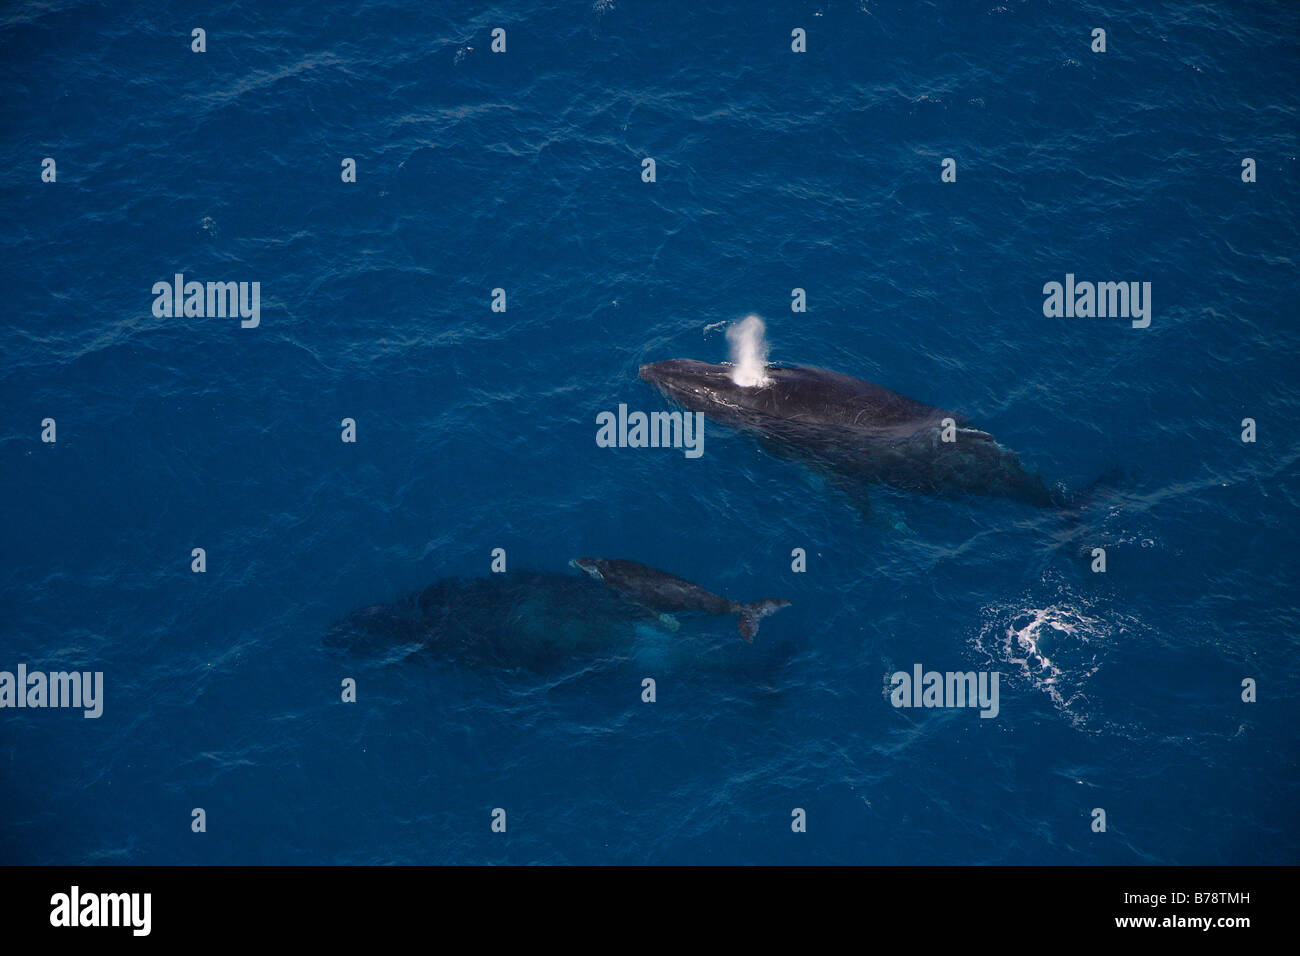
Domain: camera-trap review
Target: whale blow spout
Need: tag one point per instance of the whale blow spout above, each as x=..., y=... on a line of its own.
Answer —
x=748, y=342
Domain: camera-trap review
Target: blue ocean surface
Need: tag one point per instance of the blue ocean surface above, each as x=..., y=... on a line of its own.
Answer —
x=475, y=429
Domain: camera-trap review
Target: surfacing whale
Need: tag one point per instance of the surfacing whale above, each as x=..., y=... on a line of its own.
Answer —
x=534, y=620
x=855, y=429
x=663, y=592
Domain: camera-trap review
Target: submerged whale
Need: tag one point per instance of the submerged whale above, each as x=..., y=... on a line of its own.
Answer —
x=660, y=591
x=534, y=620
x=855, y=429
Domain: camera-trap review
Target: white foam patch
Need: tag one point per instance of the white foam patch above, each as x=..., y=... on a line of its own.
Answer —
x=1056, y=648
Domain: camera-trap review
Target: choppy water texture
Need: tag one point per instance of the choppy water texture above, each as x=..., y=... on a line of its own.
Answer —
x=476, y=429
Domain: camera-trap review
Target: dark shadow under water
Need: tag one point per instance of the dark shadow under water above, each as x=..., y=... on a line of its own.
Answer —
x=550, y=625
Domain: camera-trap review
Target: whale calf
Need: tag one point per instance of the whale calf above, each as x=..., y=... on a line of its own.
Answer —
x=660, y=591
x=534, y=620
x=855, y=429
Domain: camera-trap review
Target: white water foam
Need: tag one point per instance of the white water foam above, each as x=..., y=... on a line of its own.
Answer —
x=1057, y=649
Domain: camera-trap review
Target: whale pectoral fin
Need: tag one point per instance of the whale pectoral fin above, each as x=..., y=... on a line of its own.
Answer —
x=647, y=631
x=670, y=622
x=890, y=517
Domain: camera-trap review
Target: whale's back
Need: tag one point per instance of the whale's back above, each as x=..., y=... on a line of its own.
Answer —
x=855, y=427
x=822, y=397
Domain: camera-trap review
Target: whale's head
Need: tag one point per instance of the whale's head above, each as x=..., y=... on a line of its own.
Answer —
x=380, y=628
x=695, y=385
x=589, y=566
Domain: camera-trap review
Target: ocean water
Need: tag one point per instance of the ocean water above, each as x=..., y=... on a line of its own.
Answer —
x=476, y=429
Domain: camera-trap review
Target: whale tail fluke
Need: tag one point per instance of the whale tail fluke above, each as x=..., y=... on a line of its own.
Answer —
x=751, y=614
